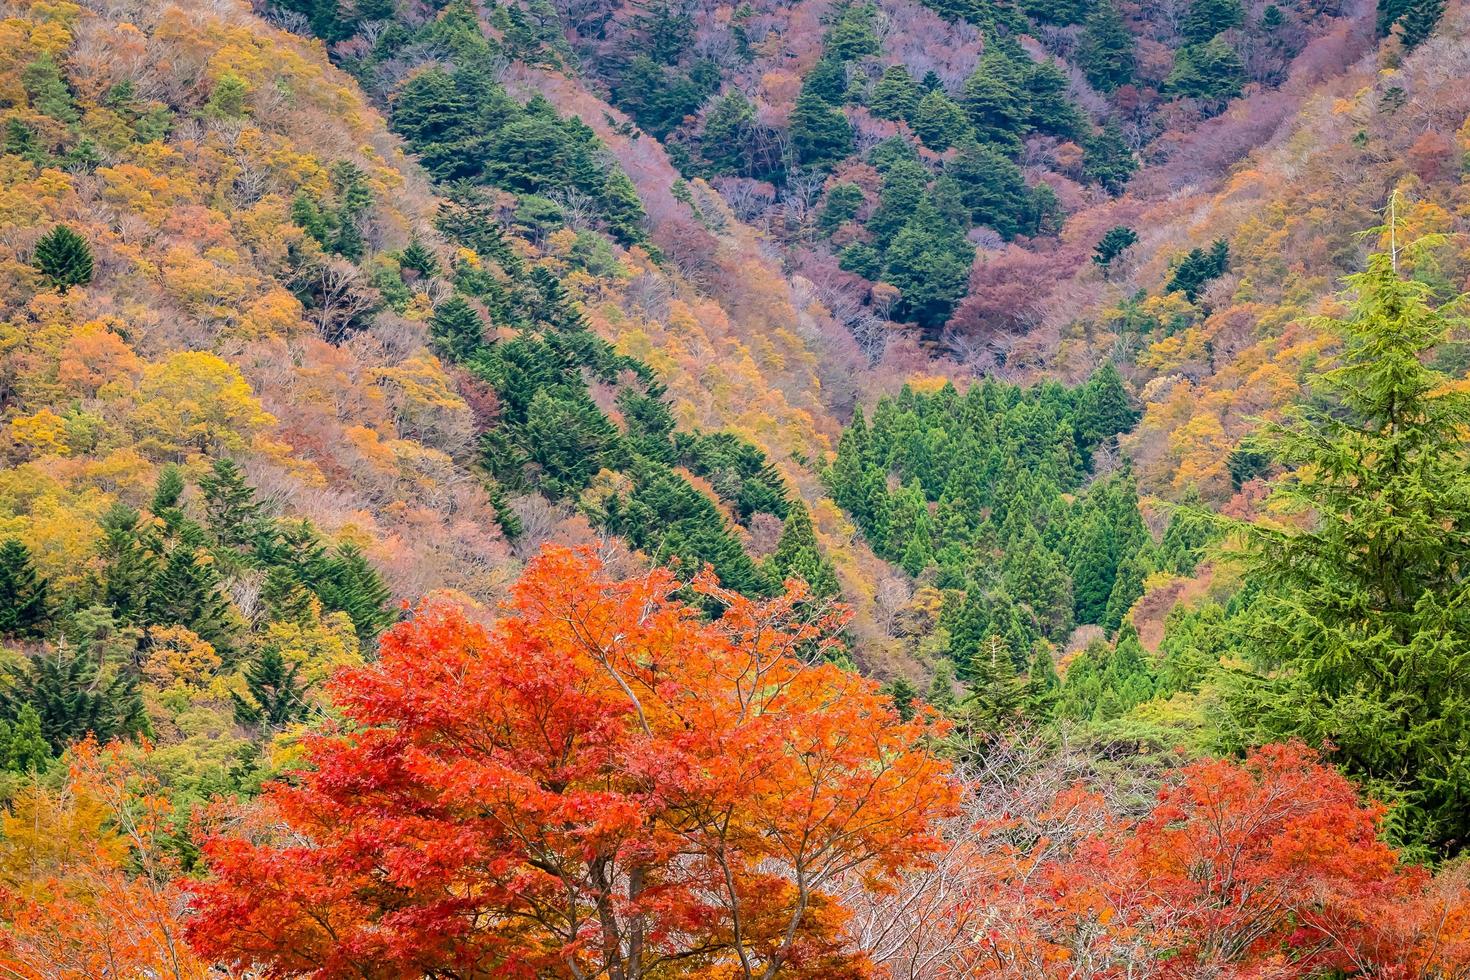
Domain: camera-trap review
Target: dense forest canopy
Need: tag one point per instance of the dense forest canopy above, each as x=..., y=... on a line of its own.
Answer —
x=843, y=489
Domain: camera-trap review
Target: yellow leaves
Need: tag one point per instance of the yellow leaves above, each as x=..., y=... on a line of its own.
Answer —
x=179, y=657
x=318, y=647
x=41, y=434
x=52, y=36
x=275, y=314
x=202, y=287
x=196, y=402
x=48, y=831
x=142, y=191
x=95, y=357
x=1172, y=353
x=559, y=243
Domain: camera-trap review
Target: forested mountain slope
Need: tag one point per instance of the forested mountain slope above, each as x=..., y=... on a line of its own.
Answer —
x=826, y=489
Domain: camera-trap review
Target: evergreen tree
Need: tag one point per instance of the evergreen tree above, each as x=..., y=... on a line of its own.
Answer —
x=1107, y=159
x=1035, y=576
x=24, y=594
x=457, y=328
x=995, y=191
x=826, y=81
x=939, y=122
x=861, y=260
x=1366, y=607
x=940, y=695
x=231, y=512
x=1094, y=567
x=130, y=562
x=726, y=139
x=1118, y=240
x=929, y=262
x=904, y=694
x=992, y=101
x=1105, y=49
x=73, y=698
x=64, y=259
x=1206, y=18
x=852, y=36
x=1103, y=407
x=896, y=96
x=1049, y=106
x=1198, y=269
x=820, y=134
x=187, y=592
x=1185, y=538
x=797, y=555
x=1042, y=683
x=419, y=259
x=22, y=746
x=569, y=439
x=46, y=87
x=168, y=497
x=1127, y=589
x=347, y=582
x=904, y=186
x=841, y=206
x=997, y=693
x=227, y=98
x=276, y=695
x=1211, y=71
x=1416, y=20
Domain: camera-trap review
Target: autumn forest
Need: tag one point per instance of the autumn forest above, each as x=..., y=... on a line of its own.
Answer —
x=656, y=489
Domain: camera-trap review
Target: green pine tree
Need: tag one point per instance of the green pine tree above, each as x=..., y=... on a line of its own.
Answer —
x=995, y=191
x=1118, y=240
x=275, y=695
x=992, y=100
x=904, y=694
x=1206, y=18
x=1105, y=49
x=47, y=89
x=797, y=555
x=347, y=582
x=997, y=693
x=64, y=259
x=25, y=607
x=74, y=697
x=231, y=512
x=187, y=592
x=1212, y=72
x=1107, y=159
x=130, y=561
x=1361, y=625
x=896, y=96
x=22, y=746
x=1094, y=565
x=820, y=134
x=1042, y=683
x=457, y=328
x=1103, y=407
x=939, y=122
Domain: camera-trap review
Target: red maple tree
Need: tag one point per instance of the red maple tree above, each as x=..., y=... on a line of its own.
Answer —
x=601, y=783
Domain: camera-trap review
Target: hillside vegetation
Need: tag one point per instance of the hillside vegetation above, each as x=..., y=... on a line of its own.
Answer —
x=832, y=489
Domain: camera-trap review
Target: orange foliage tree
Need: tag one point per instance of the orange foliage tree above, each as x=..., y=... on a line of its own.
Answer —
x=1269, y=867
x=88, y=884
x=602, y=783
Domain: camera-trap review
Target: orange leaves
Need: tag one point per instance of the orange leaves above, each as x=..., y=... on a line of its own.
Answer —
x=1266, y=867
x=87, y=888
x=602, y=778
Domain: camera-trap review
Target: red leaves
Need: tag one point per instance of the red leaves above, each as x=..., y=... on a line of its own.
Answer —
x=1266, y=867
x=601, y=781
